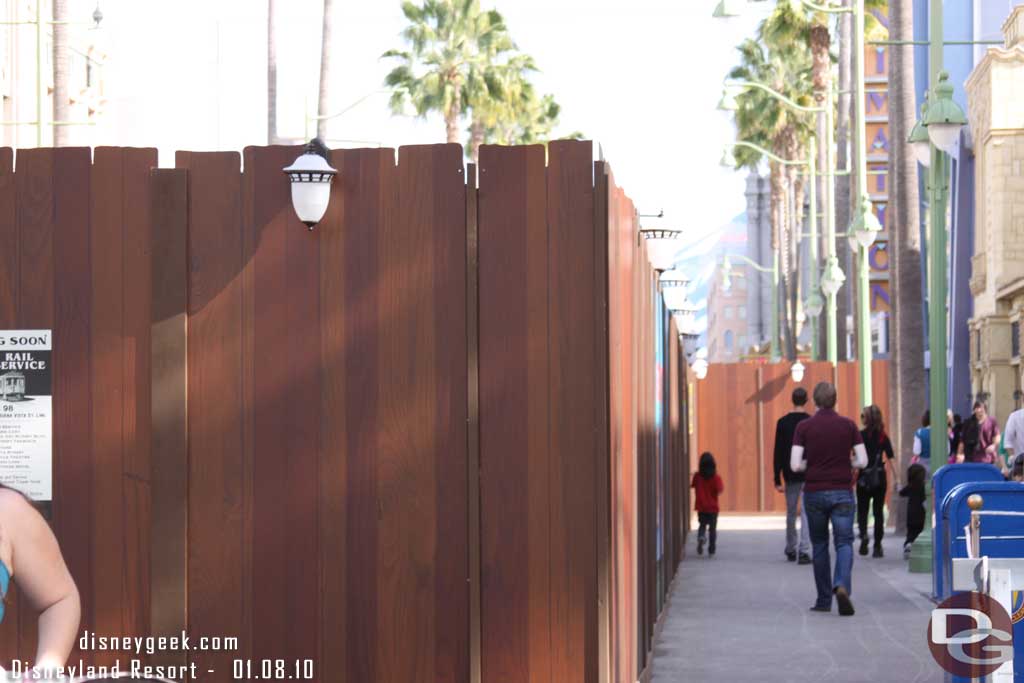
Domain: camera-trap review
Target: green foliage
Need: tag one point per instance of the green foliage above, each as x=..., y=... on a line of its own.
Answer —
x=461, y=60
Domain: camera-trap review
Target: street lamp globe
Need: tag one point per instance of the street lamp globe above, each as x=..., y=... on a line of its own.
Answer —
x=944, y=117
x=662, y=244
x=700, y=368
x=814, y=305
x=832, y=278
x=865, y=226
x=797, y=372
x=673, y=288
x=311, y=178
x=920, y=143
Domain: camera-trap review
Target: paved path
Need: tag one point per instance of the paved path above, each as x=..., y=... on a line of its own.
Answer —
x=743, y=616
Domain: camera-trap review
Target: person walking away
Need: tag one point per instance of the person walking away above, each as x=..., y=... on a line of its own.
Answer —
x=794, y=481
x=980, y=437
x=923, y=442
x=824, y=448
x=956, y=435
x=708, y=486
x=871, y=481
x=915, y=494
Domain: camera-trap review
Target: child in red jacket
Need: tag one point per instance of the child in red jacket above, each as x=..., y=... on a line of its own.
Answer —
x=707, y=485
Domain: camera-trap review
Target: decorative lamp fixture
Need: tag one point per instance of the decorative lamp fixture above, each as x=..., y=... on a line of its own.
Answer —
x=944, y=118
x=865, y=225
x=814, y=305
x=673, y=289
x=797, y=372
x=311, y=178
x=919, y=141
x=689, y=343
x=729, y=8
x=700, y=368
x=832, y=278
x=728, y=159
x=662, y=244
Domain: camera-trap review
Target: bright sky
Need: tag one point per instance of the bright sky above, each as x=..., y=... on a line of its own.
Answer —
x=642, y=79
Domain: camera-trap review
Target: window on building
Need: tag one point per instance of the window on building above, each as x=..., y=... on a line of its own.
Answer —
x=728, y=313
x=977, y=345
x=1015, y=339
x=728, y=340
x=741, y=312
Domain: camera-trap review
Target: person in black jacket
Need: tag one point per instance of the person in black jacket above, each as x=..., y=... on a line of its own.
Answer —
x=794, y=481
x=915, y=494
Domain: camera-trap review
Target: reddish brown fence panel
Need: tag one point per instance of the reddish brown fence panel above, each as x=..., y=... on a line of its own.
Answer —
x=738, y=406
x=10, y=284
x=514, y=416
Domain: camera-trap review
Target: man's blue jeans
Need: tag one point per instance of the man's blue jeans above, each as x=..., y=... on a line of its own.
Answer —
x=837, y=506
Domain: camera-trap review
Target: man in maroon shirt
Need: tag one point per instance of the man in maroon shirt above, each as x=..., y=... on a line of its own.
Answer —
x=825, y=447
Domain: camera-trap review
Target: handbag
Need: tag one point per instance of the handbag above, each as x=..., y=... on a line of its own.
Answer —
x=870, y=478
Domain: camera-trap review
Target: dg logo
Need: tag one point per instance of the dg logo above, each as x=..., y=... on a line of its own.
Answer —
x=971, y=635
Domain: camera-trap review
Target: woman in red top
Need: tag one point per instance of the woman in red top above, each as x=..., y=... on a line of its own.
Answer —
x=707, y=485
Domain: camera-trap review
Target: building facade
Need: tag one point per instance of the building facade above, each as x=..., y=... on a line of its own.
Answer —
x=996, y=116
x=728, y=336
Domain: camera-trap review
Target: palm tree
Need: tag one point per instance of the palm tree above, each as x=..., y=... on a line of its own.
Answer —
x=61, y=97
x=503, y=91
x=764, y=120
x=271, y=73
x=323, y=99
x=907, y=386
x=452, y=42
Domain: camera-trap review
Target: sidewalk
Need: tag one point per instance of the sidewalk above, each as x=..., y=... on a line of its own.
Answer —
x=743, y=615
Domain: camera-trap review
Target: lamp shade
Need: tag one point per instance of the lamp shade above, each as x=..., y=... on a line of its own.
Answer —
x=865, y=226
x=661, y=247
x=700, y=368
x=944, y=117
x=814, y=305
x=689, y=341
x=311, y=177
x=919, y=141
x=832, y=278
x=674, y=278
x=797, y=372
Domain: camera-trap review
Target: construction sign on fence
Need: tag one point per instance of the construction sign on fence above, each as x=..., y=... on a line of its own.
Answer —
x=26, y=412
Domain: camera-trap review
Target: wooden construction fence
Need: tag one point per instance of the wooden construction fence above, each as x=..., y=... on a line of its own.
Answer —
x=738, y=405
x=439, y=438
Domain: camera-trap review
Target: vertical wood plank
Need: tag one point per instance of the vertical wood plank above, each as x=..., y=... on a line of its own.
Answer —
x=9, y=297
x=473, y=417
x=136, y=413
x=514, y=416
x=108, y=342
x=35, y=198
x=573, y=314
x=72, y=407
x=216, y=468
x=169, y=445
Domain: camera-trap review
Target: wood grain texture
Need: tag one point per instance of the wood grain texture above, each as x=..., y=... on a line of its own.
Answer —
x=514, y=416
x=573, y=316
x=215, y=397
x=9, y=298
x=169, y=408
x=36, y=306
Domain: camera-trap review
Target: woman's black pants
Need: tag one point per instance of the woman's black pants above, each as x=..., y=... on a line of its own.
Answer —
x=876, y=499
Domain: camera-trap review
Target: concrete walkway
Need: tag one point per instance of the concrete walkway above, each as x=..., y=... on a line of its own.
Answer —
x=743, y=616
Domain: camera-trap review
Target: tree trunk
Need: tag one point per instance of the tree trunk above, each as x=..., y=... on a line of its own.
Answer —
x=476, y=139
x=451, y=117
x=821, y=76
x=843, y=196
x=271, y=73
x=907, y=375
x=325, y=70
x=799, y=195
x=61, y=97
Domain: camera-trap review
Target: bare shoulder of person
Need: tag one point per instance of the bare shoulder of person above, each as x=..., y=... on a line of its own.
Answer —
x=14, y=509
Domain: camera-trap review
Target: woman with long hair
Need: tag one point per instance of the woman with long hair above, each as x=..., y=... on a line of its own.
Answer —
x=30, y=556
x=871, y=481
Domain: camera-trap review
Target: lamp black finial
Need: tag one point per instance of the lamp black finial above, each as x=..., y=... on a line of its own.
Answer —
x=317, y=146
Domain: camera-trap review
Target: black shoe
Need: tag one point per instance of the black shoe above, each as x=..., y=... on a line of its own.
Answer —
x=877, y=551
x=791, y=555
x=821, y=608
x=804, y=559
x=843, y=600
x=700, y=546
x=711, y=550
x=863, y=546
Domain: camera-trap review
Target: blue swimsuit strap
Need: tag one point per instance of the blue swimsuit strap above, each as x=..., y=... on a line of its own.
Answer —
x=5, y=579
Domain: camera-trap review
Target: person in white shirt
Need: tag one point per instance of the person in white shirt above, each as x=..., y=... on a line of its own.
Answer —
x=1013, y=435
